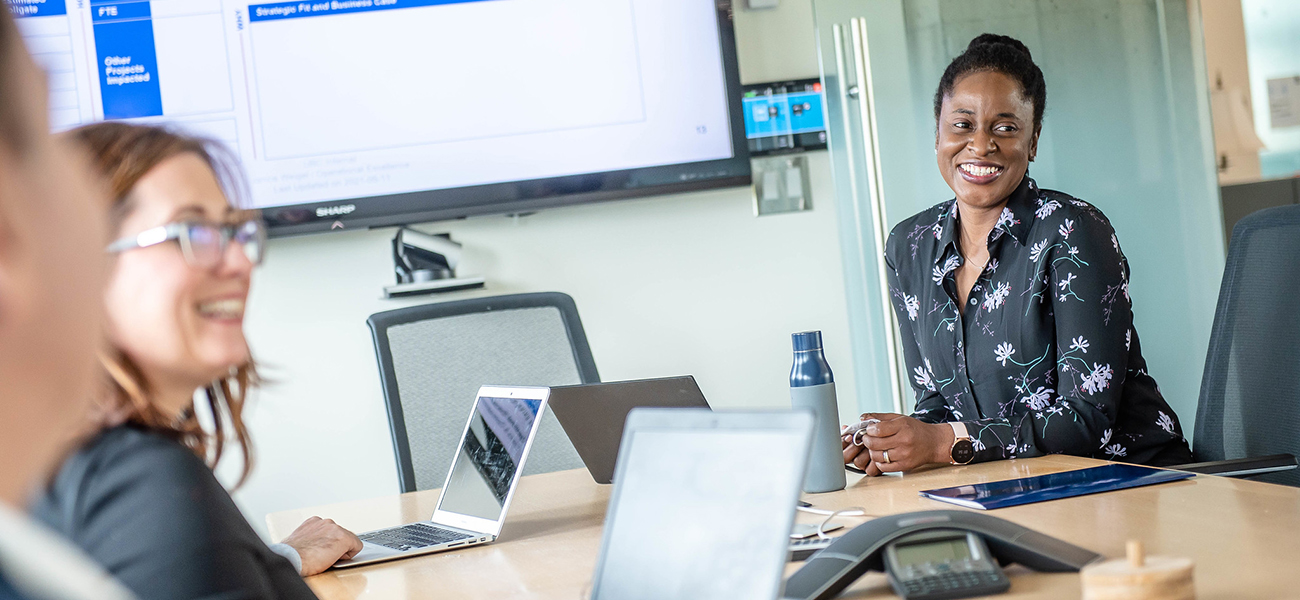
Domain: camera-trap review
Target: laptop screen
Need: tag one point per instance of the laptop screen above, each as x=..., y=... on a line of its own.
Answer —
x=701, y=514
x=491, y=456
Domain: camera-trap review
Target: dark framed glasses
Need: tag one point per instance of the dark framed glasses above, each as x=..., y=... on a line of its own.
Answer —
x=203, y=244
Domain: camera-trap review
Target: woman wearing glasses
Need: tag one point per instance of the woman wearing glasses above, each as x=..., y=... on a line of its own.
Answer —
x=139, y=496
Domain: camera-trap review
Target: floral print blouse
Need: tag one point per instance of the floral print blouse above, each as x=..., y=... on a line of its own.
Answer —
x=1043, y=358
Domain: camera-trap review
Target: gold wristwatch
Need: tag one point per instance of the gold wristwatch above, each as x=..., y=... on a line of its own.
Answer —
x=963, y=450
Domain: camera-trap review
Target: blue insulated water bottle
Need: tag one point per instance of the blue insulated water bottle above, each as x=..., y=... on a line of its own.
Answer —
x=812, y=386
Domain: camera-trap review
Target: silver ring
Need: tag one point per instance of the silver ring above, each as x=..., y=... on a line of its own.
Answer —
x=887, y=461
x=857, y=437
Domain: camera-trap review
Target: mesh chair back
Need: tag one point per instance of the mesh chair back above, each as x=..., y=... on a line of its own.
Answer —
x=433, y=359
x=1250, y=393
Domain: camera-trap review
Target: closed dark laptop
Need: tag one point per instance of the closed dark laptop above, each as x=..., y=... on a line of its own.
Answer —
x=593, y=415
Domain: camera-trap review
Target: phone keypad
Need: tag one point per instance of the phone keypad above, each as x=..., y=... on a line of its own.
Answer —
x=949, y=580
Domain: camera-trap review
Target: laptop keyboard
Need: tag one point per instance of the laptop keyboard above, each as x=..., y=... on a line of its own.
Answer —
x=412, y=537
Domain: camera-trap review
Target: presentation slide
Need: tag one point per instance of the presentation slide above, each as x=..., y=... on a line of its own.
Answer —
x=346, y=99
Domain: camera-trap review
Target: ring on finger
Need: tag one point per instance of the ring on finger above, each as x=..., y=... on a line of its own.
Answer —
x=886, y=461
x=857, y=437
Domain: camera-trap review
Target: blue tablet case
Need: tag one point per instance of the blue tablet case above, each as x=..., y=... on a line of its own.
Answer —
x=1014, y=492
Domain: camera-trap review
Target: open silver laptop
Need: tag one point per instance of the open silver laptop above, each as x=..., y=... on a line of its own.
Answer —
x=480, y=484
x=702, y=504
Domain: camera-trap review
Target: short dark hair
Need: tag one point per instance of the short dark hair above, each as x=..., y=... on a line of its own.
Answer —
x=1001, y=54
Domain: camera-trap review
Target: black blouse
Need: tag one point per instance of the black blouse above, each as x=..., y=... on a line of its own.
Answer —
x=147, y=509
x=1043, y=359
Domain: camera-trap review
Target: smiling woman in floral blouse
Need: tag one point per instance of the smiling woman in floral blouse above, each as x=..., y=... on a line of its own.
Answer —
x=1012, y=300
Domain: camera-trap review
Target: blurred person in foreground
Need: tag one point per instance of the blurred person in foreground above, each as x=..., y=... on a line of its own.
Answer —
x=51, y=281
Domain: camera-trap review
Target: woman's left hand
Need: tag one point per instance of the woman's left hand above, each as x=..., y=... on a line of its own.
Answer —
x=321, y=543
x=909, y=443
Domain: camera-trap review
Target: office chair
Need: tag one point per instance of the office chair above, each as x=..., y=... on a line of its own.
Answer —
x=1250, y=392
x=434, y=357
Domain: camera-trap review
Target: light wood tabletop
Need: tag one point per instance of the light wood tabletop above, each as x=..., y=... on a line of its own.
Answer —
x=1243, y=536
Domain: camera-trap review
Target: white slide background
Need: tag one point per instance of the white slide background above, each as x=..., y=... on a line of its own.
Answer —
x=392, y=78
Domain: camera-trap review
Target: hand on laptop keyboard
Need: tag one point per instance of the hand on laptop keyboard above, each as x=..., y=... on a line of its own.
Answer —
x=320, y=543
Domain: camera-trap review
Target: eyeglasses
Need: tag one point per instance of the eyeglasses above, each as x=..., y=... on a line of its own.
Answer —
x=203, y=244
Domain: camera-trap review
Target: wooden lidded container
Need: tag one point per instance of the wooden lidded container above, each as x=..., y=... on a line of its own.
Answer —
x=1139, y=577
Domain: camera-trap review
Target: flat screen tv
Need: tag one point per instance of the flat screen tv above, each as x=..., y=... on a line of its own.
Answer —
x=362, y=113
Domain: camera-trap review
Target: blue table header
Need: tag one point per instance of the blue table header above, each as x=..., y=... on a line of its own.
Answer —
x=293, y=10
x=38, y=8
x=107, y=12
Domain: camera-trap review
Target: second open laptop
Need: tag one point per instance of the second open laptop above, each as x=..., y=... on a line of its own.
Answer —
x=480, y=483
x=702, y=505
x=593, y=415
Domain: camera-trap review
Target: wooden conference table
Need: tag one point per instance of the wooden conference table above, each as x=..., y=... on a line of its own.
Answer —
x=1243, y=536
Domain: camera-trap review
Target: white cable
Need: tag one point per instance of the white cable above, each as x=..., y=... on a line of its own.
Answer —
x=852, y=511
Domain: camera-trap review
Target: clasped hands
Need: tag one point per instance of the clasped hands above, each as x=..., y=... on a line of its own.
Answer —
x=895, y=443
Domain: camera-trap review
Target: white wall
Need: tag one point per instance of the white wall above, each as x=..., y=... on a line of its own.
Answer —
x=686, y=284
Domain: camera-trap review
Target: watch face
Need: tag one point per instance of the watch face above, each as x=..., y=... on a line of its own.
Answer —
x=963, y=451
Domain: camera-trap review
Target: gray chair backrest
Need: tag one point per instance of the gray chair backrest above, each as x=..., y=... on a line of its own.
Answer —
x=1250, y=393
x=433, y=359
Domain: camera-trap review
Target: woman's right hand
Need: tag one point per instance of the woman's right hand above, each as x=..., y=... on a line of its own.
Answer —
x=854, y=454
x=857, y=454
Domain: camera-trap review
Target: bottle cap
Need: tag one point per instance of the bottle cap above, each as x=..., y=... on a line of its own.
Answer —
x=807, y=340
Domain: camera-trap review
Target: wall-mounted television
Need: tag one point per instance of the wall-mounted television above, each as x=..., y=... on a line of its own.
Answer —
x=362, y=113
